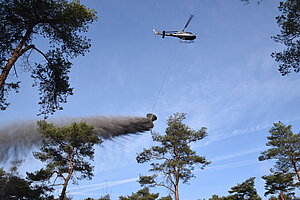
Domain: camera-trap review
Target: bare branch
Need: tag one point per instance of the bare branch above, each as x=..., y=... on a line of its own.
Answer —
x=56, y=184
x=58, y=174
x=34, y=47
x=163, y=185
x=20, y=53
x=170, y=179
x=55, y=179
x=15, y=71
x=27, y=61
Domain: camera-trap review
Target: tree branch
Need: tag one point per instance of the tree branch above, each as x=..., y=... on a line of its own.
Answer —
x=15, y=70
x=25, y=38
x=160, y=158
x=34, y=47
x=58, y=174
x=55, y=180
x=163, y=185
x=56, y=184
x=169, y=177
x=20, y=53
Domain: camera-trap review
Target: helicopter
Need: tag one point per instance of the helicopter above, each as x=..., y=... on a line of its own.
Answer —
x=184, y=36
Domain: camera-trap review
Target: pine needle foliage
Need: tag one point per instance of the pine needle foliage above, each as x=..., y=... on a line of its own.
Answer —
x=173, y=160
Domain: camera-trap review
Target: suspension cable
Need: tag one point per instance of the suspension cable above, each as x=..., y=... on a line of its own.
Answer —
x=164, y=80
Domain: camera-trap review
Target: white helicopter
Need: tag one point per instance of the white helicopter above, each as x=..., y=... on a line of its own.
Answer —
x=179, y=34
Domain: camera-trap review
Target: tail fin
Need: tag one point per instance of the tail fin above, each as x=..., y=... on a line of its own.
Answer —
x=155, y=32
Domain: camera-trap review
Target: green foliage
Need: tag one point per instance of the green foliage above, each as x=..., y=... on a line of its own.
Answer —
x=166, y=198
x=244, y=191
x=13, y=187
x=275, y=183
x=4, y=93
x=53, y=82
x=61, y=23
x=284, y=148
x=279, y=183
x=289, y=22
x=173, y=159
x=142, y=194
x=65, y=150
x=216, y=197
x=285, y=198
x=105, y=197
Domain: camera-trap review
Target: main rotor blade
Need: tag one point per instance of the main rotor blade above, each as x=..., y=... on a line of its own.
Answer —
x=191, y=17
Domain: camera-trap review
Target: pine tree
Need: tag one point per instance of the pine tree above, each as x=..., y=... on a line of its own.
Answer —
x=284, y=148
x=14, y=187
x=244, y=191
x=281, y=183
x=289, y=22
x=173, y=160
x=216, y=197
x=64, y=150
x=61, y=23
x=142, y=194
x=105, y=197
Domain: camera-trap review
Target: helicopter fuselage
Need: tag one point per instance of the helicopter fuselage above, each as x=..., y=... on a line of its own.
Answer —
x=182, y=35
x=179, y=34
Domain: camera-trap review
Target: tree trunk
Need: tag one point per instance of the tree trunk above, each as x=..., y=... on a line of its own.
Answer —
x=7, y=68
x=176, y=192
x=296, y=169
x=176, y=173
x=281, y=195
x=14, y=57
x=63, y=192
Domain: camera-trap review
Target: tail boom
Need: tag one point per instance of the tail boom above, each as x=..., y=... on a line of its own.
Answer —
x=163, y=34
x=155, y=32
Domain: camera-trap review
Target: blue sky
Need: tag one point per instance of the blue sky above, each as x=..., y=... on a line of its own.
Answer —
x=225, y=81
